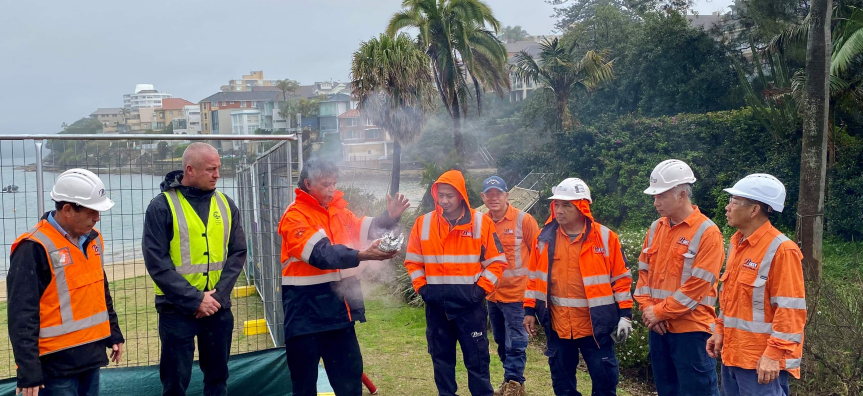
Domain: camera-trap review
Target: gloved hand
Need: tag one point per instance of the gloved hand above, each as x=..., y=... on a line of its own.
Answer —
x=623, y=330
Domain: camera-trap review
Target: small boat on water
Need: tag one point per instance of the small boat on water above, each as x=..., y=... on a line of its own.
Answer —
x=10, y=189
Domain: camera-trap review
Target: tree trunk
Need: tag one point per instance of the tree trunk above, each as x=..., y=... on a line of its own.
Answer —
x=458, y=138
x=397, y=167
x=562, y=115
x=813, y=158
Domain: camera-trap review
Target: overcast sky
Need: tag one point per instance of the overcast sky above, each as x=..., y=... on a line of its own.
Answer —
x=60, y=59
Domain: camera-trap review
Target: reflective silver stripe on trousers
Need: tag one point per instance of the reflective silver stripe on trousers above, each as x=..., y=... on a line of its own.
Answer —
x=451, y=280
x=68, y=322
x=604, y=235
x=519, y=239
x=761, y=282
x=426, y=227
x=310, y=244
x=416, y=274
x=477, y=225
x=538, y=295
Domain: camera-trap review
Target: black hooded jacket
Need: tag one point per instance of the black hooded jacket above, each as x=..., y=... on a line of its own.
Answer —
x=180, y=296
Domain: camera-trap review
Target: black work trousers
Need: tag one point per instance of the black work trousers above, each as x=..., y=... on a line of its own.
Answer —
x=177, y=332
x=343, y=362
x=469, y=330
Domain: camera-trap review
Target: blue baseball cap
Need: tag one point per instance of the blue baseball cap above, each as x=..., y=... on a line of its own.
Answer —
x=494, y=182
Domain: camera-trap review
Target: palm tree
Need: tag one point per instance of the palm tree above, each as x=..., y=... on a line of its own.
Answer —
x=392, y=82
x=513, y=34
x=559, y=71
x=461, y=49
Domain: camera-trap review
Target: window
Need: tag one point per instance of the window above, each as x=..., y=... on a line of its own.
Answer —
x=350, y=135
x=243, y=104
x=351, y=122
x=373, y=133
x=232, y=102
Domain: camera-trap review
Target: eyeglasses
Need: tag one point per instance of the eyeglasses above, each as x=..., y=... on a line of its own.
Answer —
x=735, y=202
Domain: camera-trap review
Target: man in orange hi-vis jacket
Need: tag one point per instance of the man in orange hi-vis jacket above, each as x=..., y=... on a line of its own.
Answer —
x=762, y=298
x=578, y=287
x=323, y=243
x=517, y=231
x=678, y=270
x=454, y=259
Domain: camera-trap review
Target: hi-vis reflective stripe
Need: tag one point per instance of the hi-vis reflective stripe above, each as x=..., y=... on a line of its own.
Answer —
x=642, y=266
x=515, y=272
x=543, y=276
x=750, y=326
x=416, y=274
x=788, y=302
x=596, y=280
x=490, y=276
x=448, y=258
x=626, y=274
x=187, y=268
x=623, y=296
x=581, y=302
x=451, y=280
x=486, y=263
x=316, y=279
x=604, y=235
x=288, y=262
x=689, y=257
x=643, y=291
x=426, y=231
x=414, y=257
x=477, y=226
x=792, y=363
x=650, y=234
x=761, y=281
x=519, y=239
x=537, y=295
x=69, y=324
x=310, y=244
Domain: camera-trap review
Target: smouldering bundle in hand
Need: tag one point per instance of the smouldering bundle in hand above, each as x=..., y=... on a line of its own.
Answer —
x=390, y=242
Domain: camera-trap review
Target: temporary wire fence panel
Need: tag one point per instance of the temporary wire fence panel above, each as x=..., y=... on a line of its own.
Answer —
x=132, y=168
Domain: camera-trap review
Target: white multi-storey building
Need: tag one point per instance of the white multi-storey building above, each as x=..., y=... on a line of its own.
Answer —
x=145, y=96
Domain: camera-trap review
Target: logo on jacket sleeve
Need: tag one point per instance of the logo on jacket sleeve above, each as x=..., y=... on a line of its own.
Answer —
x=750, y=264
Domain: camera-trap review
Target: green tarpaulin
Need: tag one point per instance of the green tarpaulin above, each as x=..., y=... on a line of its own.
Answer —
x=256, y=373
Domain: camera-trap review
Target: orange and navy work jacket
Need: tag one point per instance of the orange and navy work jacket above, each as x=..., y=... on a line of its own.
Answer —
x=517, y=231
x=445, y=262
x=591, y=305
x=320, y=269
x=763, y=301
x=678, y=271
x=73, y=309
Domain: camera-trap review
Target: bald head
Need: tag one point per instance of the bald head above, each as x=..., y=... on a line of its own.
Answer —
x=201, y=165
x=197, y=150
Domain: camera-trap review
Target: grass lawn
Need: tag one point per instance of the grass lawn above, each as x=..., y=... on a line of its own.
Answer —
x=396, y=358
x=133, y=302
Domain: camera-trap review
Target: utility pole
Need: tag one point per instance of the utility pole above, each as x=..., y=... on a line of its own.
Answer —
x=813, y=156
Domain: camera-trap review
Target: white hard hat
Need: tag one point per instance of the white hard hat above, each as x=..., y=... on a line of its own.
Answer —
x=82, y=187
x=760, y=187
x=571, y=189
x=669, y=174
